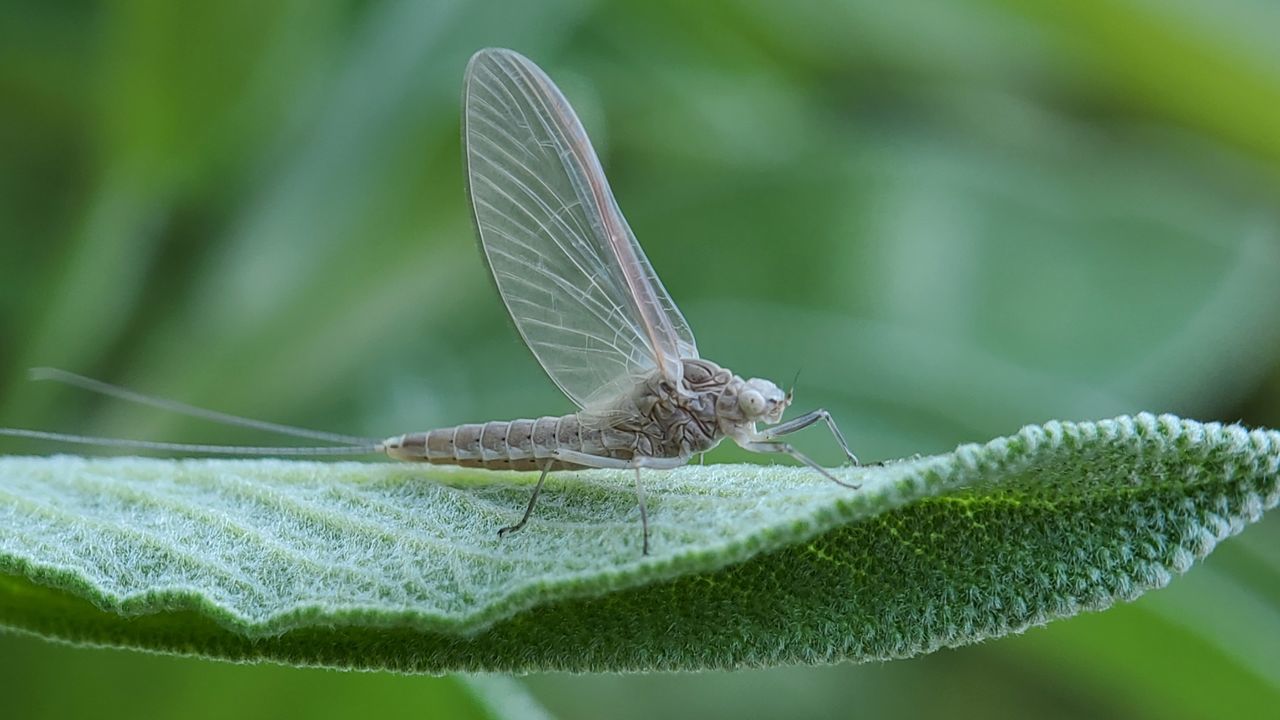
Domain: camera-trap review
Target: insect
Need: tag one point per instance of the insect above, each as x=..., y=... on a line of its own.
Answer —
x=586, y=302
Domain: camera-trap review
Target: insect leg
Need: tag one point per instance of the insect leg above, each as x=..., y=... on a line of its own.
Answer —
x=781, y=447
x=805, y=421
x=597, y=461
x=644, y=514
x=656, y=463
x=533, y=500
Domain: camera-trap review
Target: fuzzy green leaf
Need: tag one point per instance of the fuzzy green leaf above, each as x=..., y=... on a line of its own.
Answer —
x=398, y=566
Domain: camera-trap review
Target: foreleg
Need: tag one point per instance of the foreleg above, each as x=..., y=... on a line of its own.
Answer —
x=805, y=421
x=772, y=446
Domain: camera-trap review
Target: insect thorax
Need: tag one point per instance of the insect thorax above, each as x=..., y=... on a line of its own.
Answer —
x=671, y=423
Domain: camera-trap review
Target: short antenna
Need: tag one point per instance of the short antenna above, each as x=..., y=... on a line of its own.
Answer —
x=791, y=391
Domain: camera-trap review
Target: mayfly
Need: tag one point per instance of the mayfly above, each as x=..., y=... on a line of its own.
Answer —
x=584, y=299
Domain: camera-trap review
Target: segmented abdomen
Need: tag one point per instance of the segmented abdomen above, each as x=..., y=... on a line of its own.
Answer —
x=510, y=445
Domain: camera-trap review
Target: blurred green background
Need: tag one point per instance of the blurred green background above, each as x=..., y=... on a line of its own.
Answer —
x=953, y=218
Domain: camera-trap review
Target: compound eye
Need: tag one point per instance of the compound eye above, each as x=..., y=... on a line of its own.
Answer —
x=751, y=402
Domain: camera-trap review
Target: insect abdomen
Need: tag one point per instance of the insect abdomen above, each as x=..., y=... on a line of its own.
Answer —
x=510, y=445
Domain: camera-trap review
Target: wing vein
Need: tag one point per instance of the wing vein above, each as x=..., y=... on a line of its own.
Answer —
x=575, y=281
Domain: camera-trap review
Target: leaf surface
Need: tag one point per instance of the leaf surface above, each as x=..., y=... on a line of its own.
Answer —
x=399, y=567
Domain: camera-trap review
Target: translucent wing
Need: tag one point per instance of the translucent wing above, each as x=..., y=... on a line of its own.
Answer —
x=579, y=288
